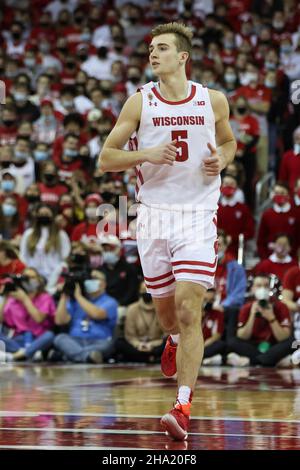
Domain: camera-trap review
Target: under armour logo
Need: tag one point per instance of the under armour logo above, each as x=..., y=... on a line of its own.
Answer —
x=152, y=104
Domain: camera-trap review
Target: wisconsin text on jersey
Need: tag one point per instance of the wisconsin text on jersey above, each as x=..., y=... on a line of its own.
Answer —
x=178, y=121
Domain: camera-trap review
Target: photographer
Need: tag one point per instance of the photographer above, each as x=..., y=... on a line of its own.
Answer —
x=28, y=316
x=143, y=340
x=91, y=317
x=264, y=329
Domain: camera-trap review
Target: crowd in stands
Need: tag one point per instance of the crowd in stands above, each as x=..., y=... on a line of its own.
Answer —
x=71, y=284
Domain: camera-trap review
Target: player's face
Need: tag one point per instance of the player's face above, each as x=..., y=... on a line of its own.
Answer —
x=164, y=57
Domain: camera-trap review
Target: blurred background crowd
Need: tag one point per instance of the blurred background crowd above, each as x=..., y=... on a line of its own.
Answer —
x=72, y=292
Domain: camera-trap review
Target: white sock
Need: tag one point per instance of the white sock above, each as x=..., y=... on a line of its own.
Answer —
x=175, y=338
x=184, y=394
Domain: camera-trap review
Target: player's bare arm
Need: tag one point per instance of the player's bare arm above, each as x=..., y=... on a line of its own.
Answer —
x=113, y=158
x=226, y=144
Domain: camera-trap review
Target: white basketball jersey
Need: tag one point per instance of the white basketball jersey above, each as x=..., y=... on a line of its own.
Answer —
x=190, y=121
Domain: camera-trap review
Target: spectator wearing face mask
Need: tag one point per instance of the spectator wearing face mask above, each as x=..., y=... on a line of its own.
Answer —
x=230, y=285
x=9, y=261
x=41, y=153
x=66, y=219
x=296, y=199
x=291, y=298
x=7, y=188
x=11, y=225
x=289, y=170
x=143, y=341
x=122, y=280
x=67, y=159
x=23, y=165
x=47, y=126
x=44, y=246
x=88, y=228
x=213, y=329
x=8, y=126
x=264, y=329
x=289, y=57
x=279, y=261
x=28, y=313
x=26, y=111
x=65, y=104
x=259, y=100
x=15, y=40
x=280, y=218
x=245, y=127
x=91, y=315
x=231, y=82
x=50, y=187
x=234, y=217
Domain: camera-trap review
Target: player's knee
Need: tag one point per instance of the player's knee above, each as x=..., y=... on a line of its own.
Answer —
x=187, y=314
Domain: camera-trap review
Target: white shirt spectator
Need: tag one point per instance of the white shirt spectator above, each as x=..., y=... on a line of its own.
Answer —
x=83, y=104
x=44, y=263
x=98, y=68
x=15, y=50
x=55, y=7
x=102, y=37
x=291, y=65
x=25, y=175
x=95, y=146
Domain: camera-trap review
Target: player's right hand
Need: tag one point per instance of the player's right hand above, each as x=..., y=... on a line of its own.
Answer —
x=162, y=154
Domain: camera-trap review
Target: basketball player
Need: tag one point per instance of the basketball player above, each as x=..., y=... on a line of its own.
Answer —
x=184, y=141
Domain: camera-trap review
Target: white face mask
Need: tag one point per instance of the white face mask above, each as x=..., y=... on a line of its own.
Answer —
x=248, y=77
x=91, y=212
x=262, y=293
x=110, y=257
x=92, y=285
x=297, y=149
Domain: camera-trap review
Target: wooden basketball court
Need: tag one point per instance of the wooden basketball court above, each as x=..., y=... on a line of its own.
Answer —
x=119, y=407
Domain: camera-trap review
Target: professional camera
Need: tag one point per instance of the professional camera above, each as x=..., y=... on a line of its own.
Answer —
x=72, y=278
x=12, y=282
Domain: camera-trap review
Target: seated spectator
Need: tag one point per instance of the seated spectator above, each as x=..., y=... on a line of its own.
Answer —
x=8, y=127
x=236, y=170
x=143, y=340
x=122, y=281
x=279, y=261
x=291, y=296
x=44, y=246
x=264, y=329
x=88, y=228
x=289, y=170
x=11, y=224
x=67, y=160
x=50, y=187
x=28, y=317
x=26, y=111
x=231, y=284
x=47, y=126
x=41, y=152
x=280, y=218
x=9, y=260
x=213, y=329
x=23, y=165
x=234, y=217
x=91, y=315
x=8, y=188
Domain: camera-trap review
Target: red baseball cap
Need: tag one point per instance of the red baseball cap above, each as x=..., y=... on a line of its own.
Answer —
x=94, y=197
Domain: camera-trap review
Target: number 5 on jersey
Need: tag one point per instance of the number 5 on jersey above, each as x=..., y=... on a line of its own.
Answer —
x=181, y=144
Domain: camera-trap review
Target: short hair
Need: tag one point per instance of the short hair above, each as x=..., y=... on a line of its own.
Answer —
x=282, y=184
x=183, y=35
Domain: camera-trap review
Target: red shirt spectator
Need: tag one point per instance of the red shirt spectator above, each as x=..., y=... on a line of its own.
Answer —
x=273, y=222
x=291, y=281
x=212, y=323
x=289, y=170
x=273, y=265
x=51, y=194
x=262, y=330
x=234, y=217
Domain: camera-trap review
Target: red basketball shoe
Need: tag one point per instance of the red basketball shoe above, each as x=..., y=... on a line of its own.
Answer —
x=176, y=422
x=168, y=358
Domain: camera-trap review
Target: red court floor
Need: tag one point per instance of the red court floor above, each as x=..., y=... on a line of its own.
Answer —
x=117, y=407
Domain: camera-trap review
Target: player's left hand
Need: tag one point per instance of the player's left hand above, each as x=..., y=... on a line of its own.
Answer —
x=214, y=164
